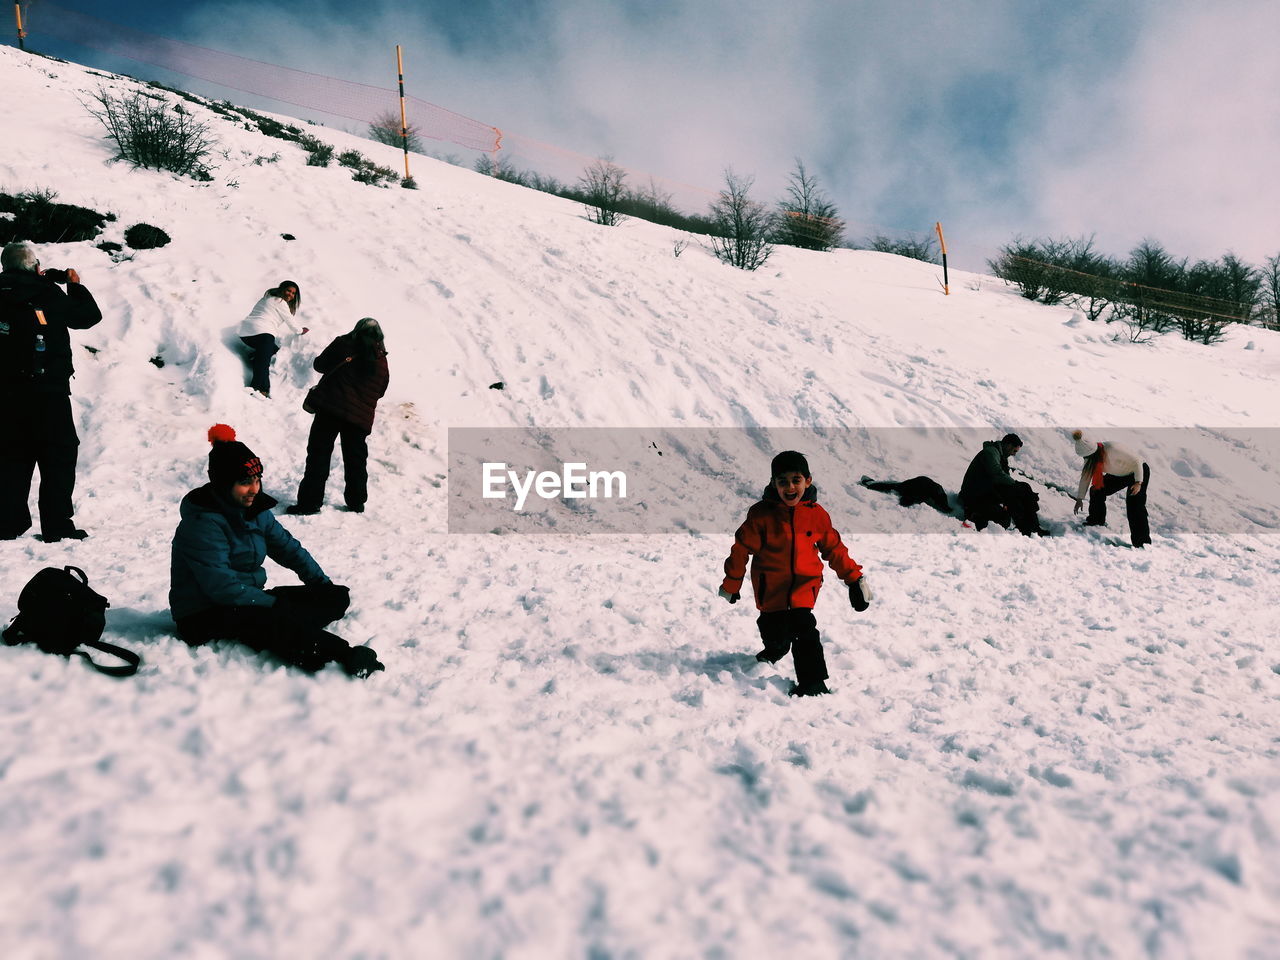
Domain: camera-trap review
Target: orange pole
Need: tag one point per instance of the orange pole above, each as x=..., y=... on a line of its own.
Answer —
x=404, y=126
x=22, y=34
x=946, y=285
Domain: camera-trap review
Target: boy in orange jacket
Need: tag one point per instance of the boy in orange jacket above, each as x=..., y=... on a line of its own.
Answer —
x=788, y=535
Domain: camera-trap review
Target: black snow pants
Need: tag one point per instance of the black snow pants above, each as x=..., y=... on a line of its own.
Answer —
x=1135, y=504
x=1018, y=504
x=264, y=347
x=40, y=432
x=291, y=630
x=796, y=630
x=355, y=462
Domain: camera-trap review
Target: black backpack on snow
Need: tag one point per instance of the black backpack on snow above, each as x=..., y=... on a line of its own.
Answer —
x=58, y=612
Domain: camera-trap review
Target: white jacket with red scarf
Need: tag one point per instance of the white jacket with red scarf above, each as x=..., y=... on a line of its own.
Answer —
x=1117, y=461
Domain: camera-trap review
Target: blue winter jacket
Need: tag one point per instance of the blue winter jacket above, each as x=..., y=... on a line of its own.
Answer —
x=218, y=551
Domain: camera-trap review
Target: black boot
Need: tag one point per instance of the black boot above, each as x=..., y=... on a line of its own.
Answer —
x=810, y=688
x=361, y=662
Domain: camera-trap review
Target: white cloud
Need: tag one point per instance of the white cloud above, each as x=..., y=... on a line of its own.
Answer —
x=1150, y=119
x=1181, y=146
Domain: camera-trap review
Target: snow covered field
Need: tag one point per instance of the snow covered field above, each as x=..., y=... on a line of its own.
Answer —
x=1033, y=748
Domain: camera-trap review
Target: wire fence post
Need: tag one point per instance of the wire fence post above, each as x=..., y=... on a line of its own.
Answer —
x=946, y=284
x=22, y=34
x=404, y=126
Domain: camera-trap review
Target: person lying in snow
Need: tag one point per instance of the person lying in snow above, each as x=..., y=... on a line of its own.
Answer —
x=1110, y=468
x=989, y=494
x=913, y=491
x=784, y=534
x=217, y=578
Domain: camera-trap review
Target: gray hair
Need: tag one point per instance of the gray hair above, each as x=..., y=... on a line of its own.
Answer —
x=19, y=256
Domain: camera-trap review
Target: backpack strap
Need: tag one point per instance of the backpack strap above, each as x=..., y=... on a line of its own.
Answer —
x=127, y=669
x=14, y=634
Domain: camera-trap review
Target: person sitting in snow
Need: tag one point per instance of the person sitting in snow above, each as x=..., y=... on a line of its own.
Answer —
x=989, y=494
x=784, y=534
x=1110, y=468
x=270, y=319
x=217, y=578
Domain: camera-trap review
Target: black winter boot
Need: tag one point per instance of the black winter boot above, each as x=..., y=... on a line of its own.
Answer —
x=810, y=688
x=361, y=662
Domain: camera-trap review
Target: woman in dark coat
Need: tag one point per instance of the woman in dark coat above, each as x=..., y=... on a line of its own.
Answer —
x=355, y=378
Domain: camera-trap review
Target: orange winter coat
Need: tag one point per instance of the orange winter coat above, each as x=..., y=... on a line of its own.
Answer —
x=788, y=546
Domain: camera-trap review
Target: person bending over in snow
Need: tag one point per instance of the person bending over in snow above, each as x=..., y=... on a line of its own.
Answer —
x=270, y=319
x=217, y=579
x=989, y=494
x=1110, y=468
x=784, y=534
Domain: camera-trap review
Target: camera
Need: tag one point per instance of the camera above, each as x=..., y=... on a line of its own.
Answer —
x=57, y=276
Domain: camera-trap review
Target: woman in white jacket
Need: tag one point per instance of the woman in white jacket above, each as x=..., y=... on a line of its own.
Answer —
x=270, y=319
x=1110, y=468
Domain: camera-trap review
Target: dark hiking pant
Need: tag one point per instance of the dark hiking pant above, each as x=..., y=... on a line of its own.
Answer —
x=1135, y=505
x=292, y=630
x=264, y=347
x=1018, y=505
x=40, y=432
x=796, y=630
x=355, y=462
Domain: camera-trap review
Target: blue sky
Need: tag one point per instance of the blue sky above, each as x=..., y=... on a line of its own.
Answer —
x=1002, y=117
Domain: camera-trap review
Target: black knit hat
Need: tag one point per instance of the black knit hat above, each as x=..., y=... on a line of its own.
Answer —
x=1011, y=440
x=230, y=461
x=788, y=461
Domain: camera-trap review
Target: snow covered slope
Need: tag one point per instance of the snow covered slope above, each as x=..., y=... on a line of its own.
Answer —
x=1052, y=747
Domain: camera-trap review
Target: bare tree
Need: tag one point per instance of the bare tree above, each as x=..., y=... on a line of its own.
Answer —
x=806, y=218
x=603, y=185
x=1214, y=295
x=1150, y=274
x=1271, y=292
x=385, y=128
x=650, y=202
x=500, y=167
x=149, y=132
x=913, y=247
x=741, y=226
x=1242, y=284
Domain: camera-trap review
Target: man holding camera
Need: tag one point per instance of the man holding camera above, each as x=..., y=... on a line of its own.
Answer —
x=35, y=391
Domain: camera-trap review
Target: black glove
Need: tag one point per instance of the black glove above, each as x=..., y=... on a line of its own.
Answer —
x=860, y=594
x=337, y=593
x=731, y=597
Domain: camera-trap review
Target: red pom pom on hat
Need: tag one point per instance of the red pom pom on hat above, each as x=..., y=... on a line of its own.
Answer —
x=221, y=433
x=230, y=461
